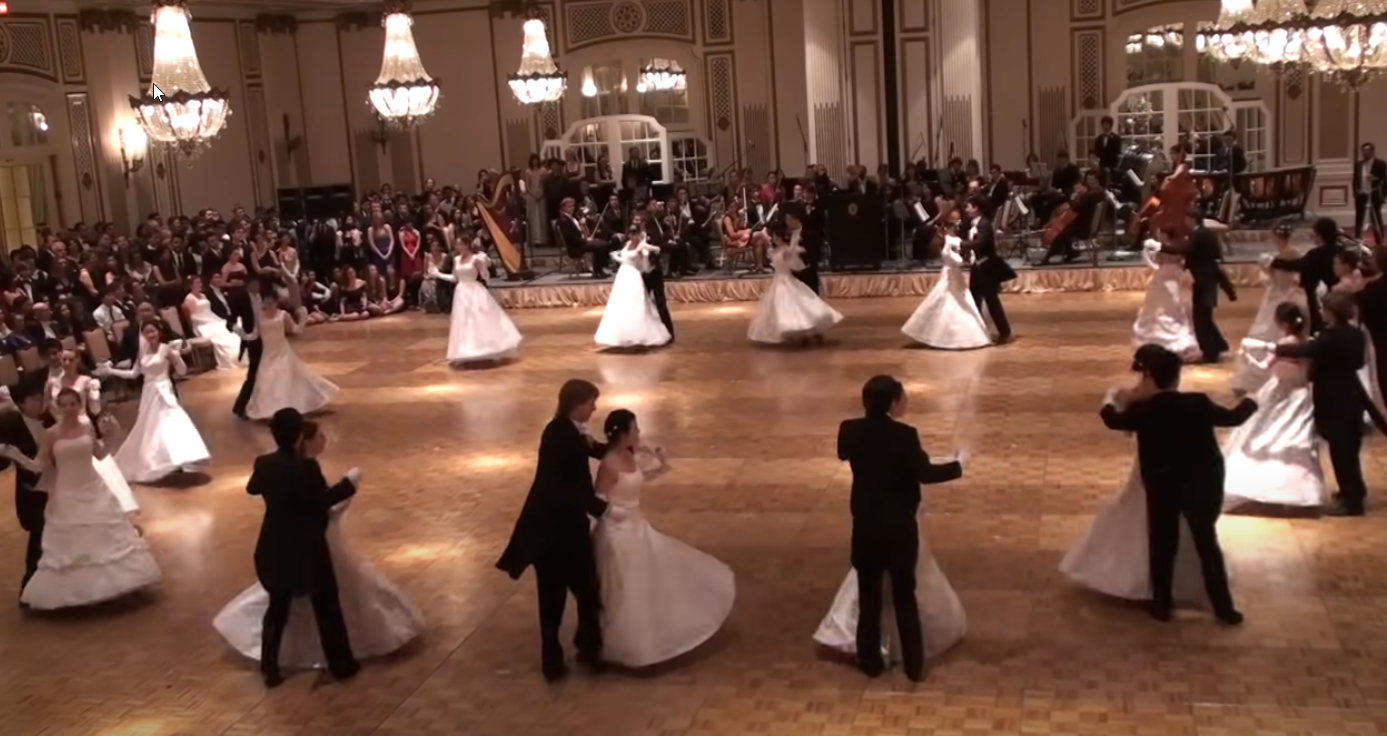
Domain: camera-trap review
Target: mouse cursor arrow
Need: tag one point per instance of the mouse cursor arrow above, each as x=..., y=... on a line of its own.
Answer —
x=156, y=93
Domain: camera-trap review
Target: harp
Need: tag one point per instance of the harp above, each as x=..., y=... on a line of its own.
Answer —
x=511, y=259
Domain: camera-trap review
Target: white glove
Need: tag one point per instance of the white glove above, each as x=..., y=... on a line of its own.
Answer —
x=1250, y=343
x=1110, y=398
x=239, y=332
x=614, y=513
x=103, y=369
x=178, y=346
x=354, y=475
x=961, y=457
x=7, y=451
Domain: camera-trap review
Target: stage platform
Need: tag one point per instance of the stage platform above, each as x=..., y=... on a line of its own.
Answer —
x=1113, y=272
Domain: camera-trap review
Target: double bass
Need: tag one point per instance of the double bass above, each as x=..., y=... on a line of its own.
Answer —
x=1168, y=209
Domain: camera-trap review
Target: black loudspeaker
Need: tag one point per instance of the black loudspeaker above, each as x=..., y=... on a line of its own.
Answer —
x=856, y=231
x=333, y=200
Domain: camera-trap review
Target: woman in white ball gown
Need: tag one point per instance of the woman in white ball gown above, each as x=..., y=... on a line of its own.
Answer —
x=1273, y=458
x=1113, y=556
x=790, y=311
x=88, y=390
x=92, y=550
x=1281, y=287
x=480, y=330
x=942, y=619
x=380, y=617
x=948, y=318
x=660, y=597
x=1164, y=319
x=226, y=346
x=283, y=381
x=630, y=319
x=163, y=440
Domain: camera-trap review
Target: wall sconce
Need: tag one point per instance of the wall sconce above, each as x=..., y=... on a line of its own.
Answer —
x=133, y=143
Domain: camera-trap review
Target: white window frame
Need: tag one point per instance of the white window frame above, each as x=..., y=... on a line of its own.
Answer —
x=604, y=134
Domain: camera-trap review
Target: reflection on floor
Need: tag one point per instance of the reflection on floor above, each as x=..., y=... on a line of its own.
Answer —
x=448, y=456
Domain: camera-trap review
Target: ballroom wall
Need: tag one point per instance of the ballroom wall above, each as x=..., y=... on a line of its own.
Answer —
x=772, y=83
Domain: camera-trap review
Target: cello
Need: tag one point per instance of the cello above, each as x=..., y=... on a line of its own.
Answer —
x=1063, y=217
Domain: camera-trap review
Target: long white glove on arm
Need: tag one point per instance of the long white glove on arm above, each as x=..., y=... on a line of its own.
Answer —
x=12, y=453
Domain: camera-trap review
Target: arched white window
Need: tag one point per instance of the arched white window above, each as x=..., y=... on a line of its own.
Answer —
x=604, y=90
x=677, y=156
x=25, y=188
x=669, y=106
x=1156, y=55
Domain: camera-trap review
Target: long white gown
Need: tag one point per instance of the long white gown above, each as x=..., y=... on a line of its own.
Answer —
x=480, y=329
x=91, y=552
x=1112, y=556
x=948, y=318
x=1164, y=319
x=1282, y=286
x=89, y=392
x=225, y=344
x=283, y=380
x=660, y=597
x=942, y=619
x=380, y=617
x=1273, y=458
x=788, y=309
x=630, y=319
x=163, y=440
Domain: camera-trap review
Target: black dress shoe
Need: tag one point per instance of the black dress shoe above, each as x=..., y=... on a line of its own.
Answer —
x=1160, y=612
x=1229, y=618
x=1003, y=339
x=1339, y=508
x=240, y=415
x=273, y=680
x=917, y=676
x=346, y=673
x=556, y=673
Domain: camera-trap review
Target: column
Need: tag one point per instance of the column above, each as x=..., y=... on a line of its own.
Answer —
x=823, y=70
x=961, y=69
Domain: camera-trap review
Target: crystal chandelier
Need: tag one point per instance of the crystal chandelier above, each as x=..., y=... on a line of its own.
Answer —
x=538, y=80
x=662, y=76
x=1275, y=34
x=181, y=110
x=1219, y=43
x=1158, y=37
x=404, y=93
x=1347, y=40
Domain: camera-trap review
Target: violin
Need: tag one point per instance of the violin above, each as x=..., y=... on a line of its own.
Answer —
x=1063, y=217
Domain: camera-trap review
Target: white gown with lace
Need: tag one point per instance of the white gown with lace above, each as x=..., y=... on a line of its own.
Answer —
x=630, y=319
x=89, y=392
x=660, y=597
x=1282, y=286
x=225, y=344
x=942, y=619
x=788, y=309
x=163, y=440
x=1273, y=458
x=91, y=552
x=480, y=329
x=380, y=617
x=1112, y=556
x=283, y=380
x=1164, y=319
x=948, y=318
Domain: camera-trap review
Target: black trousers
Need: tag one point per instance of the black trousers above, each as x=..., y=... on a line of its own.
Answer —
x=255, y=349
x=1164, y=509
x=810, y=277
x=1345, y=456
x=332, y=627
x=562, y=572
x=1367, y=207
x=876, y=556
x=655, y=284
x=598, y=252
x=1206, y=332
x=33, y=550
x=990, y=295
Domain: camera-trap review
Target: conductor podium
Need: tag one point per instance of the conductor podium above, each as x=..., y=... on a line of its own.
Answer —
x=856, y=231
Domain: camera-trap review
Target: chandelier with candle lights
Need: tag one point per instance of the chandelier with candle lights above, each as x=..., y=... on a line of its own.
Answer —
x=180, y=110
x=404, y=93
x=538, y=80
x=1347, y=40
x=662, y=75
x=1219, y=43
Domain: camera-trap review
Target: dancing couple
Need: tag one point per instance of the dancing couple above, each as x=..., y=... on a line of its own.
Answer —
x=1164, y=319
x=1175, y=490
x=637, y=313
x=301, y=554
x=643, y=598
x=275, y=377
x=951, y=317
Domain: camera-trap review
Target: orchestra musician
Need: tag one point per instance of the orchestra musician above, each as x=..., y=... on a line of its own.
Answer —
x=998, y=189
x=1061, y=187
x=1084, y=203
x=1369, y=188
x=662, y=231
x=953, y=177
x=989, y=269
x=636, y=178
x=736, y=235
x=579, y=240
x=611, y=226
x=1231, y=158
x=694, y=215
x=1107, y=147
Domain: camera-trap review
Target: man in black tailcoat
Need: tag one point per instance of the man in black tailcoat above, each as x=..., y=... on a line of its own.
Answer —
x=292, y=558
x=21, y=436
x=1316, y=267
x=552, y=533
x=990, y=270
x=244, y=321
x=812, y=237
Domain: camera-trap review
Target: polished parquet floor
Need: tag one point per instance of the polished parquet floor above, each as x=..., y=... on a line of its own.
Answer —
x=448, y=457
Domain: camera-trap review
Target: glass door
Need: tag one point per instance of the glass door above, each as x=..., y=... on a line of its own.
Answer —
x=24, y=196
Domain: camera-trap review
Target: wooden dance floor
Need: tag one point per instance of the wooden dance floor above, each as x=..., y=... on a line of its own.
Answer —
x=448, y=455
